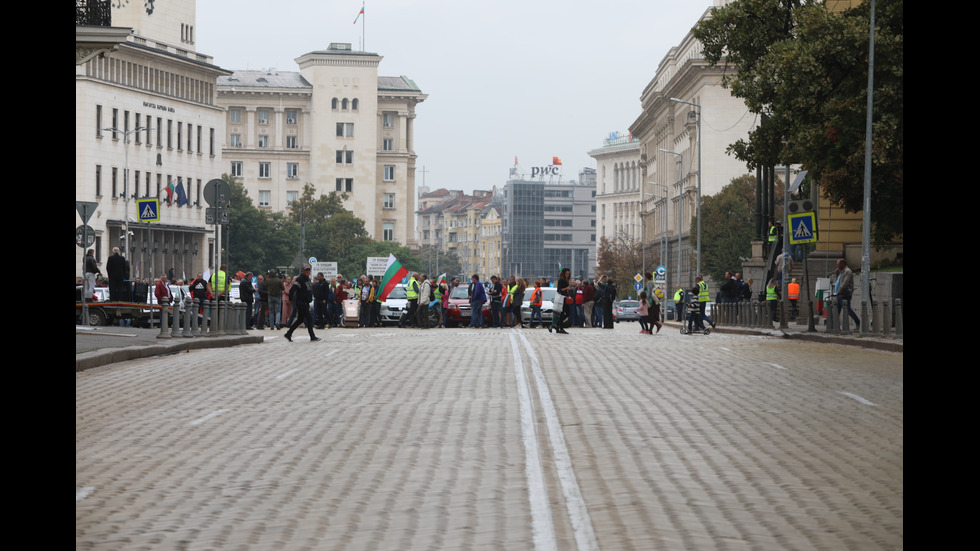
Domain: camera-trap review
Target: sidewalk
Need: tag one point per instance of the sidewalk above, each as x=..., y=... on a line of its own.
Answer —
x=97, y=346
x=800, y=332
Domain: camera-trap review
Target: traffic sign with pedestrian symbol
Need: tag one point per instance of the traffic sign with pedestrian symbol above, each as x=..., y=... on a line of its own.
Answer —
x=803, y=228
x=148, y=210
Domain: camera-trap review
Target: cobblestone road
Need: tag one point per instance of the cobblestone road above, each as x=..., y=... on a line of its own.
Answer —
x=494, y=439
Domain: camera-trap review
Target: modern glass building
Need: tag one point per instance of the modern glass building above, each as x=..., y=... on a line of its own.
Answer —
x=548, y=224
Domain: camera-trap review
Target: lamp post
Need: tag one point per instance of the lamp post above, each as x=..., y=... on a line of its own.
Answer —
x=697, y=113
x=125, y=133
x=664, y=240
x=680, y=209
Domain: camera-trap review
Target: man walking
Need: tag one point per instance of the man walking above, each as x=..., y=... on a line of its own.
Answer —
x=301, y=293
x=117, y=269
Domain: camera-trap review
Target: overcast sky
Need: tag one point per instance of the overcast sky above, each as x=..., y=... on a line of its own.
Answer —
x=531, y=79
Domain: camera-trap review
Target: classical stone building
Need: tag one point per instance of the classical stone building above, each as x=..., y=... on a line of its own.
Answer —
x=684, y=103
x=334, y=124
x=146, y=125
x=619, y=194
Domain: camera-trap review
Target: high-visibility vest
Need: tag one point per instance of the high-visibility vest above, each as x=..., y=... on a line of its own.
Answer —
x=793, y=291
x=412, y=291
x=771, y=293
x=773, y=234
x=536, y=297
x=679, y=295
x=703, y=292
x=509, y=299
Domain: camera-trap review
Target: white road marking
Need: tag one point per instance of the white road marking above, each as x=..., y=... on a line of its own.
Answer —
x=83, y=493
x=542, y=525
x=209, y=416
x=777, y=366
x=286, y=374
x=578, y=514
x=858, y=398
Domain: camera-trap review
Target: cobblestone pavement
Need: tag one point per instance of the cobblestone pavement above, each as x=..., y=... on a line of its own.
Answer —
x=494, y=439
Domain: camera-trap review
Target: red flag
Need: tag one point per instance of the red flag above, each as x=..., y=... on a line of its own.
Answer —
x=556, y=161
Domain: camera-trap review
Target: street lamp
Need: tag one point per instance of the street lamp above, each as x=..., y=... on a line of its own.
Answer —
x=680, y=209
x=125, y=133
x=664, y=240
x=697, y=113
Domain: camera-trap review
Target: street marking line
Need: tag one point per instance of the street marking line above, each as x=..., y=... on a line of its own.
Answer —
x=83, y=493
x=858, y=398
x=578, y=513
x=542, y=525
x=286, y=374
x=777, y=366
x=209, y=416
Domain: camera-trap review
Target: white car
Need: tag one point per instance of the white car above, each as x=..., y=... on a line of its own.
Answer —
x=394, y=306
x=547, y=304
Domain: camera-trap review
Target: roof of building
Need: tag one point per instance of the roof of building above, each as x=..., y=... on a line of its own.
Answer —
x=402, y=83
x=265, y=79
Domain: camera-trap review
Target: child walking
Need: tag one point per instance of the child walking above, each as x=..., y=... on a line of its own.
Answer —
x=643, y=311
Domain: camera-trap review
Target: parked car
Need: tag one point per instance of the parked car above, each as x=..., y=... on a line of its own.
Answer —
x=627, y=310
x=459, y=308
x=394, y=306
x=547, y=304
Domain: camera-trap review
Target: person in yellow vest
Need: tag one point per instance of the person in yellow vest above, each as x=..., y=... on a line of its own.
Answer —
x=412, y=294
x=793, y=295
x=218, y=284
x=703, y=299
x=679, y=303
x=772, y=299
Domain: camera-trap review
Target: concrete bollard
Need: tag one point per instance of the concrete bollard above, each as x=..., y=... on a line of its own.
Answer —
x=197, y=320
x=899, y=331
x=886, y=319
x=164, y=312
x=844, y=319
x=175, y=319
x=188, y=310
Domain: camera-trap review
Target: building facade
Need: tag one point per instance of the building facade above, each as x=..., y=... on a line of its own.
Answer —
x=147, y=125
x=547, y=224
x=619, y=194
x=334, y=124
x=669, y=129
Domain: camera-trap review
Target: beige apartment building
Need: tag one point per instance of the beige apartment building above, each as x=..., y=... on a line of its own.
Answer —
x=619, y=190
x=147, y=125
x=334, y=124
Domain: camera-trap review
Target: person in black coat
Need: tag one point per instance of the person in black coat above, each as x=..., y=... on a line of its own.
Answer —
x=303, y=289
x=608, y=300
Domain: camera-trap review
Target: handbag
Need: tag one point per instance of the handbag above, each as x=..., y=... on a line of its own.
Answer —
x=559, y=303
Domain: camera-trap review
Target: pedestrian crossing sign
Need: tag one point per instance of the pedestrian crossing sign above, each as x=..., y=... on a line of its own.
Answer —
x=803, y=228
x=148, y=210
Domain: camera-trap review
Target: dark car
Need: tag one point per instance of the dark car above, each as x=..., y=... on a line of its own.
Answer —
x=459, y=308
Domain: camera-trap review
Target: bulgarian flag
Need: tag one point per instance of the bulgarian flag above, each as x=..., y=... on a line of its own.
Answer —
x=394, y=273
x=441, y=279
x=170, y=193
x=359, y=14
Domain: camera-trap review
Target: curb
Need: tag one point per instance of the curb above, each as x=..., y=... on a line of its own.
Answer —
x=105, y=356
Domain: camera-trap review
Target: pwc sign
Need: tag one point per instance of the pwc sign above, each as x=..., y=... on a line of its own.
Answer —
x=545, y=171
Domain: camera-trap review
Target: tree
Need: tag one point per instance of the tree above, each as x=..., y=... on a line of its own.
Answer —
x=620, y=258
x=728, y=238
x=806, y=68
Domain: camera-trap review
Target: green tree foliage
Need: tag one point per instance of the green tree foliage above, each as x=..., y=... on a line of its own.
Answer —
x=806, y=68
x=448, y=263
x=729, y=226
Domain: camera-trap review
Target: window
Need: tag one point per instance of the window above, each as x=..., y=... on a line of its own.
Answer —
x=389, y=120
x=199, y=132
x=115, y=118
x=137, y=122
x=345, y=157
x=333, y=104
x=345, y=184
x=264, y=170
x=235, y=115
x=388, y=144
x=115, y=176
x=389, y=231
x=353, y=104
x=263, y=116
x=389, y=201
x=291, y=115
x=291, y=142
x=264, y=197
x=98, y=121
x=180, y=136
x=291, y=197
x=170, y=134
x=159, y=131
x=236, y=169
x=263, y=141
x=345, y=130
x=236, y=140
x=98, y=180
x=389, y=173
x=292, y=170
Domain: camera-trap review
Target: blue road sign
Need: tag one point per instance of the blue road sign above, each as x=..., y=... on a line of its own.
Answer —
x=803, y=228
x=148, y=210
